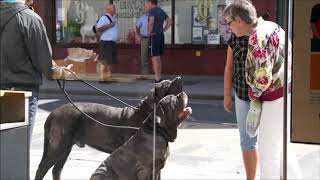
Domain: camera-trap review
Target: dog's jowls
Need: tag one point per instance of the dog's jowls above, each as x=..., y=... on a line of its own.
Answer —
x=66, y=126
x=134, y=159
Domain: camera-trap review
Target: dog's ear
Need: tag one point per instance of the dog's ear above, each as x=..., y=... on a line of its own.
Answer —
x=160, y=89
x=161, y=117
x=176, y=86
x=165, y=84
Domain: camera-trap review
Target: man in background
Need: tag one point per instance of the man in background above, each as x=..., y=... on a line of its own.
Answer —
x=108, y=27
x=156, y=32
x=142, y=31
x=315, y=21
x=315, y=28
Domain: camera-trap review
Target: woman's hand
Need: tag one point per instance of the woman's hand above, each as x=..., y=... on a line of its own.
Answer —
x=227, y=103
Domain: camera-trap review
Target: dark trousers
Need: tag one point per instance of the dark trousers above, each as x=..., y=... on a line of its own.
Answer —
x=109, y=52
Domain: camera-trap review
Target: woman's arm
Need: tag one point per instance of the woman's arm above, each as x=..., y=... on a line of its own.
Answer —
x=228, y=71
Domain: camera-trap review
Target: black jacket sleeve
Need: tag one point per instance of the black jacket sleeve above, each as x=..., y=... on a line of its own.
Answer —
x=37, y=44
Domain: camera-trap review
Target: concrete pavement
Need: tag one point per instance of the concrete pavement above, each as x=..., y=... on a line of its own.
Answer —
x=201, y=151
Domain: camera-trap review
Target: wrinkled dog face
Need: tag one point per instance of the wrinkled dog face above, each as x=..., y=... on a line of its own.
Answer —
x=167, y=87
x=176, y=86
x=172, y=110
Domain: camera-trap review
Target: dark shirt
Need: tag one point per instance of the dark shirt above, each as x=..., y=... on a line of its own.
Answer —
x=239, y=45
x=159, y=18
x=315, y=16
x=315, y=13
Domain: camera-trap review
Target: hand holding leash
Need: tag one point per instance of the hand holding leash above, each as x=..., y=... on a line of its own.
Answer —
x=61, y=72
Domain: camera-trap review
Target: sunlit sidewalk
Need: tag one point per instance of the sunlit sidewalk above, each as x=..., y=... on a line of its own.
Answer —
x=201, y=151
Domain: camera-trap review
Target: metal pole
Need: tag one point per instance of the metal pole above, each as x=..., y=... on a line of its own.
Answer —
x=280, y=13
x=154, y=136
x=286, y=13
x=154, y=141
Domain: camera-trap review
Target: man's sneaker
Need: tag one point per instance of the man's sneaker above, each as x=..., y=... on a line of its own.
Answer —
x=158, y=81
x=80, y=144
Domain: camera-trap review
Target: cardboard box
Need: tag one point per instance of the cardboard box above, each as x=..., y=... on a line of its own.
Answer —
x=13, y=108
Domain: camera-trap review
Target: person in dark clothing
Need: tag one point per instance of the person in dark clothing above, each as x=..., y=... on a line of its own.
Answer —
x=25, y=52
x=157, y=17
x=315, y=21
x=315, y=28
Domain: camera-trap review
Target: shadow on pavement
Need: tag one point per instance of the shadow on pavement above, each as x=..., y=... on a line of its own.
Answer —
x=206, y=125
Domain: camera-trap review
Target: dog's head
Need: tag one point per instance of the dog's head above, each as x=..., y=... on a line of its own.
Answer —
x=171, y=111
x=167, y=87
x=160, y=90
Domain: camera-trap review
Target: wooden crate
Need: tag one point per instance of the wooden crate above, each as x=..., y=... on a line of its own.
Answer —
x=87, y=67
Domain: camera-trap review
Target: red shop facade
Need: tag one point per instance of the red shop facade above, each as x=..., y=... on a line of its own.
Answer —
x=194, y=45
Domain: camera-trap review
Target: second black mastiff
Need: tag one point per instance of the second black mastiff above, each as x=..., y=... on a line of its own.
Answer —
x=134, y=159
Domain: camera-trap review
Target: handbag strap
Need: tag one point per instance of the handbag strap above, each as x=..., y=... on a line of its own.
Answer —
x=109, y=18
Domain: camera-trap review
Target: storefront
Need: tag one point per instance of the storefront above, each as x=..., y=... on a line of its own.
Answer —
x=195, y=44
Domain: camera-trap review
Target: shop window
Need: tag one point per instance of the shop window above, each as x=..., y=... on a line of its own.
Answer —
x=129, y=11
x=75, y=19
x=200, y=22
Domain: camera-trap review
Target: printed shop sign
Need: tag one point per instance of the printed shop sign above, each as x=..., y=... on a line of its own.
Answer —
x=129, y=8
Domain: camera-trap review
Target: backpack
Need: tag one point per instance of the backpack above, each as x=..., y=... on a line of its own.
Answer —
x=94, y=28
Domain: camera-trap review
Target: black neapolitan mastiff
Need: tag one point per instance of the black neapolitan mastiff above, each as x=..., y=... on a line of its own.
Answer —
x=66, y=126
x=134, y=159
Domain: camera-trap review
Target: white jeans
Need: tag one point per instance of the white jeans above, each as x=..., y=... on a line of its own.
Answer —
x=270, y=141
